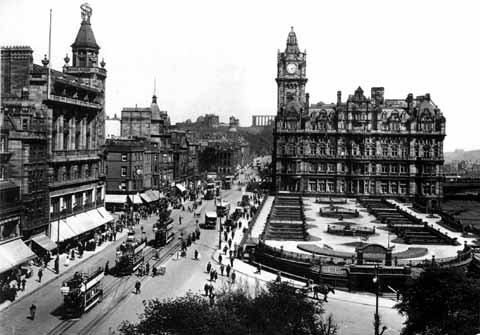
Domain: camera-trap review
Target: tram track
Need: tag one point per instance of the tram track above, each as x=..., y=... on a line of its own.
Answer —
x=125, y=291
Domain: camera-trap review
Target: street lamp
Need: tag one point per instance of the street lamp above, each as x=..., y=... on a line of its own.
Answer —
x=220, y=233
x=57, y=261
x=376, y=321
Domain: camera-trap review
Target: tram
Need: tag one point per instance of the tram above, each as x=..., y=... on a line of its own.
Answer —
x=223, y=208
x=210, y=191
x=130, y=255
x=164, y=233
x=81, y=292
x=210, y=220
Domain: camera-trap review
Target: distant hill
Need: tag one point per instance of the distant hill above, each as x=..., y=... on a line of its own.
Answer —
x=462, y=155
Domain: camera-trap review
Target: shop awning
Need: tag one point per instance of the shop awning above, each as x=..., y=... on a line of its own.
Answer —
x=95, y=218
x=146, y=197
x=116, y=198
x=44, y=242
x=107, y=217
x=135, y=199
x=14, y=253
x=62, y=234
x=181, y=188
x=152, y=195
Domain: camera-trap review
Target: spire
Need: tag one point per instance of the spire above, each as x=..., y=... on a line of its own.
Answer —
x=292, y=44
x=154, y=98
x=85, y=37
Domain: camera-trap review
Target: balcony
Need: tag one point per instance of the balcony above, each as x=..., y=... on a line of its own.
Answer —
x=80, y=70
x=75, y=155
x=76, y=102
x=71, y=182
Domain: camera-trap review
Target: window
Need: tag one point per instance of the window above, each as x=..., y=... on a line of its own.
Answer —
x=24, y=124
x=394, y=187
x=331, y=186
x=323, y=150
x=322, y=186
x=385, y=169
x=384, y=150
x=313, y=185
x=384, y=188
x=403, y=188
x=123, y=186
x=124, y=157
x=313, y=149
x=394, y=151
x=405, y=151
x=394, y=168
x=403, y=169
x=124, y=171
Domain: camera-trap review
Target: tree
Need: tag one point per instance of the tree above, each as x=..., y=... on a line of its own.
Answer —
x=278, y=309
x=441, y=301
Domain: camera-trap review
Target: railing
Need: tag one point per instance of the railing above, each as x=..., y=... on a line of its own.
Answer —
x=73, y=181
x=97, y=70
x=247, y=234
x=75, y=102
x=75, y=153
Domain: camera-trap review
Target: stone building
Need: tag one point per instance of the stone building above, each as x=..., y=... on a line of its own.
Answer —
x=152, y=124
x=56, y=130
x=364, y=146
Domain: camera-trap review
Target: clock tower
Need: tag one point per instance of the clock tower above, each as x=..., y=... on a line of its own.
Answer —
x=291, y=78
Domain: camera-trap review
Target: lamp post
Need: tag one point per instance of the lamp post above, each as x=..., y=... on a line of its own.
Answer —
x=220, y=233
x=57, y=261
x=376, y=320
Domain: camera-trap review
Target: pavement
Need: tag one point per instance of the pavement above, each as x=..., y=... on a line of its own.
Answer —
x=33, y=284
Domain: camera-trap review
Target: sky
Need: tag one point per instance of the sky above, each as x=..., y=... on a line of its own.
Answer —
x=220, y=56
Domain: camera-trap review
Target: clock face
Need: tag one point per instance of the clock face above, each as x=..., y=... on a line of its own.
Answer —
x=291, y=68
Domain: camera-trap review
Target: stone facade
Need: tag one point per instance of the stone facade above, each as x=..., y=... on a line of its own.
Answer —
x=56, y=122
x=364, y=146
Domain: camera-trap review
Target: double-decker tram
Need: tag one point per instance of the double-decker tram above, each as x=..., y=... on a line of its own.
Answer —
x=81, y=292
x=130, y=255
x=164, y=232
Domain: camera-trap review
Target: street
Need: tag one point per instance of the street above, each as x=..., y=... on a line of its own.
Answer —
x=180, y=276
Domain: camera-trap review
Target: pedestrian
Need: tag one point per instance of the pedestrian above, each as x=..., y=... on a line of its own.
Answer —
x=209, y=267
x=231, y=261
x=222, y=268
x=180, y=220
x=154, y=271
x=225, y=235
x=259, y=268
x=215, y=275
x=40, y=275
x=147, y=269
x=196, y=254
x=225, y=249
x=220, y=258
x=228, y=268
x=137, y=287
x=233, y=277
x=206, y=288
x=212, y=299
x=211, y=276
x=33, y=310
x=230, y=254
x=279, y=277
x=107, y=268
x=24, y=282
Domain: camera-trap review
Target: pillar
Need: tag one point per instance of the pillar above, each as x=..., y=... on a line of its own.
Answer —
x=60, y=133
x=72, y=128
x=84, y=133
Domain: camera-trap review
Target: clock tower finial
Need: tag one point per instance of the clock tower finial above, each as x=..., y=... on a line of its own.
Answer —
x=292, y=44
